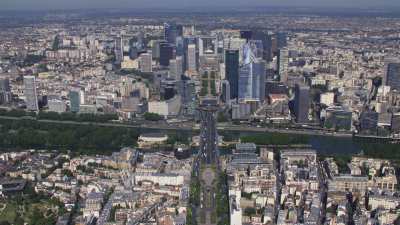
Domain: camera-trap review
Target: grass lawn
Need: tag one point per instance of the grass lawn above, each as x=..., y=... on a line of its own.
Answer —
x=9, y=213
x=27, y=211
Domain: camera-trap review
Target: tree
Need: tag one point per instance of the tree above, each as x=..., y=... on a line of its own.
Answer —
x=249, y=211
x=152, y=116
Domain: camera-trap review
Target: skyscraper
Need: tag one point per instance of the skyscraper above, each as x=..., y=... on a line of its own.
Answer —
x=175, y=68
x=145, y=62
x=281, y=39
x=392, y=76
x=180, y=47
x=252, y=81
x=283, y=64
x=167, y=52
x=301, y=103
x=246, y=34
x=225, y=91
x=251, y=76
x=257, y=48
x=30, y=93
x=155, y=48
x=179, y=66
x=119, y=50
x=5, y=91
x=191, y=58
x=171, y=32
x=232, y=71
x=266, y=40
x=188, y=30
x=75, y=100
x=186, y=42
x=5, y=85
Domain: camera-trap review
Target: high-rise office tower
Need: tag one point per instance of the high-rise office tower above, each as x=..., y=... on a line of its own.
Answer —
x=251, y=76
x=180, y=47
x=283, y=64
x=191, y=58
x=246, y=34
x=188, y=30
x=167, y=52
x=232, y=71
x=5, y=85
x=82, y=96
x=155, y=48
x=274, y=46
x=179, y=30
x=145, y=62
x=30, y=93
x=133, y=52
x=179, y=66
x=188, y=91
x=171, y=32
x=257, y=48
x=75, y=100
x=392, y=75
x=281, y=39
x=173, y=73
x=252, y=81
x=176, y=68
x=259, y=82
x=301, y=103
x=266, y=40
x=119, y=50
x=5, y=91
x=186, y=42
x=225, y=91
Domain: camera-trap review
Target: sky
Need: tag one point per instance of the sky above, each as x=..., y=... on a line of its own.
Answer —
x=138, y=4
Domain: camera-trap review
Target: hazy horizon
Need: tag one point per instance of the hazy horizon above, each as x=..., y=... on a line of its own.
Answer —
x=171, y=4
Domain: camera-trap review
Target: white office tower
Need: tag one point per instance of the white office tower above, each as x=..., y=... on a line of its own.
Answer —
x=82, y=96
x=283, y=64
x=176, y=68
x=235, y=44
x=31, y=98
x=145, y=62
x=191, y=58
x=188, y=30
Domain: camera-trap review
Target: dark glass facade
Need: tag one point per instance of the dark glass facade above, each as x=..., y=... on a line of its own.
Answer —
x=301, y=103
x=393, y=76
x=232, y=71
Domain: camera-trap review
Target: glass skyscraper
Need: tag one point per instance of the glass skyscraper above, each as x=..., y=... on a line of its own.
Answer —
x=301, y=103
x=393, y=76
x=170, y=32
x=167, y=52
x=251, y=76
x=232, y=71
